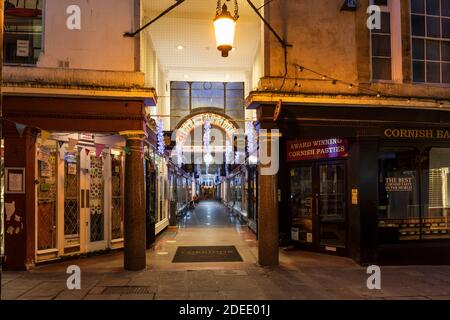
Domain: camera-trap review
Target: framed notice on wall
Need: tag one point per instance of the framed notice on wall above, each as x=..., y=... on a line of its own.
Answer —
x=15, y=180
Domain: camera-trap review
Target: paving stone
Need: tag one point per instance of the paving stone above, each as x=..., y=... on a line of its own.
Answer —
x=439, y=297
x=174, y=296
x=102, y=297
x=143, y=283
x=230, y=283
x=12, y=294
x=113, y=281
x=45, y=290
x=205, y=295
x=97, y=290
x=170, y=289
x=230, y=273
x=72, y=294
x=137, y=297
x=243, y=295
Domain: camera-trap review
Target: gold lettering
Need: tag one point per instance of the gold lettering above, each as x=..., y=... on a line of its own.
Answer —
x=388, y=133
x=403, y=133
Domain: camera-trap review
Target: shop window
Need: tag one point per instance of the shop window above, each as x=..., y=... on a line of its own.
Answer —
x=238, y=192
x=413, y=208
x=430, y=31
x=436, y=194
x=398, y=211
x=23, y=31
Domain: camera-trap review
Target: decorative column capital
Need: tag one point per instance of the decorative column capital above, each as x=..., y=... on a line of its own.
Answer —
x=133, y=134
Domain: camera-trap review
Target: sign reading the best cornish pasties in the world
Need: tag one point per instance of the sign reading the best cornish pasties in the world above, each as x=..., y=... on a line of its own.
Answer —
x=300, y=150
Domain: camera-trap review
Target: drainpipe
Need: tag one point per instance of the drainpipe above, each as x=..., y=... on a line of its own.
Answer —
x=2, y=8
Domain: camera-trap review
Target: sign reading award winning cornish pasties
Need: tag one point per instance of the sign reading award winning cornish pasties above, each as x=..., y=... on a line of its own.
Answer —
x=312, y=149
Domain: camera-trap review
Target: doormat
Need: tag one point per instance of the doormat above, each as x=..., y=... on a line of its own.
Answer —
x=207, y=254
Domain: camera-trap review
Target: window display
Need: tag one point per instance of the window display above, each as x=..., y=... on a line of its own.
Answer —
x=413, y=208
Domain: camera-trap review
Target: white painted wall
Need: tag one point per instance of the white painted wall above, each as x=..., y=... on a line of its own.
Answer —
x=155, y=78
x=99, y=45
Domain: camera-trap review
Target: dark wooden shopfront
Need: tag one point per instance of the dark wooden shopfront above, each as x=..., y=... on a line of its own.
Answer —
x=365, y=208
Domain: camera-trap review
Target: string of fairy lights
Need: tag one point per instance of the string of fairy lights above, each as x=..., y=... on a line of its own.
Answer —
x=350, y=85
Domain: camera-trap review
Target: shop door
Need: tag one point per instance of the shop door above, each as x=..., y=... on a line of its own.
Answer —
x=92, y=192
x=318, y=206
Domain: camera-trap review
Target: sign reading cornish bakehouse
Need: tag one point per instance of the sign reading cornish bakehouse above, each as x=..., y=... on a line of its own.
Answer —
x=299, y=150
x=416, y=133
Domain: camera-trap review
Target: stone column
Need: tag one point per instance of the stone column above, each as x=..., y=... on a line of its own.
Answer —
x=134, y=217
x=268, y=207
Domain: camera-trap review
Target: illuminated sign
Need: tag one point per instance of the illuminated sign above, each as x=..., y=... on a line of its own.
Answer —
x=199, y=121
x=300, y=150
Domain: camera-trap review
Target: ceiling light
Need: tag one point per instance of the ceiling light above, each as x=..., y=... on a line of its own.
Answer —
x=228, y=76
x=186, y=76
x=180, y=47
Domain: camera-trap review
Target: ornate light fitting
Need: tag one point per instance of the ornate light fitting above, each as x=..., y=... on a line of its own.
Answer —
x=225, y=26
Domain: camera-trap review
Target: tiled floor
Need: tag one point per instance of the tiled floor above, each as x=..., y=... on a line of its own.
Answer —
x=301, y=275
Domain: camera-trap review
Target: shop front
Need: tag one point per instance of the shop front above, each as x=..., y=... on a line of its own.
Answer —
x=80, y=199
x=65, y=179
x=413, y=197
x=317, y=193
x=368, y=183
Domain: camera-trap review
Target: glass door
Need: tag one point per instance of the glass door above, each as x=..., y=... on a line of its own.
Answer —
x=46, y=211
x=72, y=199
x=332, y=206
x=301, y=203
x=317, y=204
x=93, y=189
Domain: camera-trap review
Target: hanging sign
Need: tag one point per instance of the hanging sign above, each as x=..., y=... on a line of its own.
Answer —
x=86, y=136
x=300, y=150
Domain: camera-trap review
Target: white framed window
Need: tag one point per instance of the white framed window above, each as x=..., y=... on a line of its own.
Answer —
x=386, y=44
x=430, y=41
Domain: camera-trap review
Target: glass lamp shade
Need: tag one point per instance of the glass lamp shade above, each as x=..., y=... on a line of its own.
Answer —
x=225, y=27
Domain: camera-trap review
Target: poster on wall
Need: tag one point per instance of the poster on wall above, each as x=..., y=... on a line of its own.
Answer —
x=43, y=154
x=72, y=169
x=45, y=169
x=312, y=149
x=23, y=48
x=15, y=180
